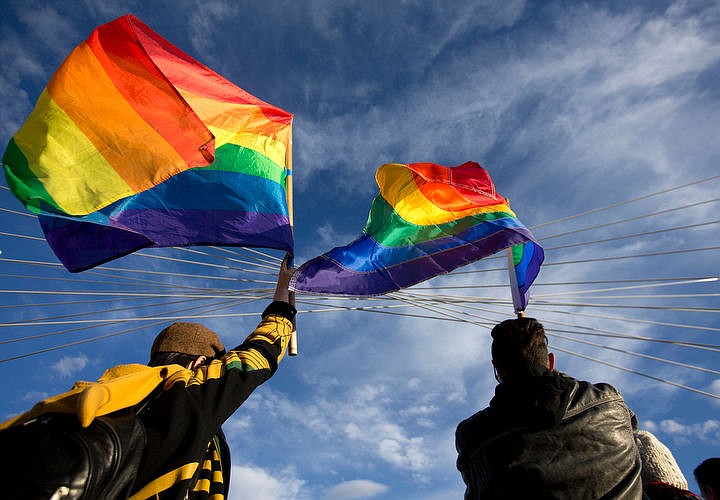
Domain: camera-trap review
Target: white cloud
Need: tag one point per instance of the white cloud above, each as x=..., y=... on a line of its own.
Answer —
x=421, y=410
x=651, y=426
x=107, y=10
x=707, y=432
x=68, y=366
x=51, y=27
x=355, y=489
x=239, y=422
x=403, y=452
x=15, y=100
x=488, y=15
x=330, y=237
x=203, y=27
x=715, y=389
x=360, y=420
x=248, y=482
x=34, y=396
x=600, y=92
x=388, y=405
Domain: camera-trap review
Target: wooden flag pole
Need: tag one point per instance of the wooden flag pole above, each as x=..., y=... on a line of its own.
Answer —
x=292, y=348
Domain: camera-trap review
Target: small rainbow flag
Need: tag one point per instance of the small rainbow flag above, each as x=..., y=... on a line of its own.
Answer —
x=134, y=144
x=427, y=220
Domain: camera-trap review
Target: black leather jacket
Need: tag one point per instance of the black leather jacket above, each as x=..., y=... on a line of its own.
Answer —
x=550, y=436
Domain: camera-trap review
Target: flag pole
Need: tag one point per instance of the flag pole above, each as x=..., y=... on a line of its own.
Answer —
x=514, y=289
x=292, y=348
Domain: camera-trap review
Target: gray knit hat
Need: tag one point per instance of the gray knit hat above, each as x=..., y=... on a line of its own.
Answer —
x=188, y=338
x=658, y=463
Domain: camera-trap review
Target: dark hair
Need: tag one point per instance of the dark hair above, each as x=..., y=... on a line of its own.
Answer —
x=707, y=474
x=518, y=344
x=172, y=358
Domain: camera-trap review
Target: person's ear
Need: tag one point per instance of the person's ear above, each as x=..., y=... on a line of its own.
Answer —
x=495, y=369
x=551, y=361
x=199, y=361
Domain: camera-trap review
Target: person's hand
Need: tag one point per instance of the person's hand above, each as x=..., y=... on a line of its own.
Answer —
x=281, y=290
x=282, y=293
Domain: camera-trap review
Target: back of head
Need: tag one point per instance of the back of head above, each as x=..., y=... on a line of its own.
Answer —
x=707, y=475
x=518, y=345
x=182, y=342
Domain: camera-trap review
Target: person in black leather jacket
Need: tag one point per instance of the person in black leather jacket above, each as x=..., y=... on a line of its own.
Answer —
x=545, y=434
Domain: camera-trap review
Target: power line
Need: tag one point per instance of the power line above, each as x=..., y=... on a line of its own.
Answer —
x=628, y=370
x=632, y=235
x=626, y=202
x=630, y=219
x=636, y=354
x=157, y=321
x=198, y=263
x=683, y=326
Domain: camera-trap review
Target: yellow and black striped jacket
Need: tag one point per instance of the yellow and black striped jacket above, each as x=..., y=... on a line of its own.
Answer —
x=186, y=455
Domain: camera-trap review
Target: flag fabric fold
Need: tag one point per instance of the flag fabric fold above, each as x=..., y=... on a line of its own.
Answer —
x=427, y=220
x=135, y=144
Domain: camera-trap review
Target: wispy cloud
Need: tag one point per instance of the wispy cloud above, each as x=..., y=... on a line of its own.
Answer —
x=203, y=29
x=391, y=413
x=715, y=389
x=683, y=434
x=35, y=396
x=18, y=65
x=249, y=483
x=597, y=91
x=330, y=236
x=355, y=489
x=49, y=26
x=68, y=366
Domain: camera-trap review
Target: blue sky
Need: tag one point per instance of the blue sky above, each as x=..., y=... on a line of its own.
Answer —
x=570, y=106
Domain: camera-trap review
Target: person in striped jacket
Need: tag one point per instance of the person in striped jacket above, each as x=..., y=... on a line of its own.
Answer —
x=186, y=455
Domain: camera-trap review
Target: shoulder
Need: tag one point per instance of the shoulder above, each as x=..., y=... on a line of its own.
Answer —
x=590, y=389
x=476, y=419
x=587, y=395
x=477, y=426
x=598, y=391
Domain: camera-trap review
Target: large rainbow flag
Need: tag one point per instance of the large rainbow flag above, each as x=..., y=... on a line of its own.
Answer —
x=427, y=220
x=134, y=144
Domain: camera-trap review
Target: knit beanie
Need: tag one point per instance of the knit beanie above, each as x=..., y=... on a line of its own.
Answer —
x=188, y=338
x=658, y=463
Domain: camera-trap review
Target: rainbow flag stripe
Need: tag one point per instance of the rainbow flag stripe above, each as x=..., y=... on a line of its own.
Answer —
x=133, y=144
x=427, y=220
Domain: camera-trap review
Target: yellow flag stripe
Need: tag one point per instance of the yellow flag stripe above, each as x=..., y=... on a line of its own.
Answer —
x=65, y=144
x=398, y=188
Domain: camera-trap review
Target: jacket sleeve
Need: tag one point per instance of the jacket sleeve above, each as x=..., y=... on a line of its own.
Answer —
x=214, y=391
x=251, y=363
x=272, y=335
